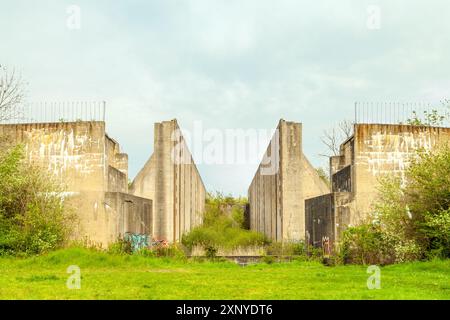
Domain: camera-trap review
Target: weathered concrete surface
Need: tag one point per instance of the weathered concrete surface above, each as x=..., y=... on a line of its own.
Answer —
x=373, y=151
x=327, y=216
x=171, y=179
x=283, y=181
x=129, y=213
x=90, y=164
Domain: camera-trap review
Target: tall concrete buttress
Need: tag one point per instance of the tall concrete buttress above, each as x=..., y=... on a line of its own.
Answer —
x=171, y=179
x=283, y=181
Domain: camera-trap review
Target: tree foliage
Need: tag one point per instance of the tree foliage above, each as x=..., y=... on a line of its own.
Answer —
x=33, y=218
x=411, y=219
x=432, y=118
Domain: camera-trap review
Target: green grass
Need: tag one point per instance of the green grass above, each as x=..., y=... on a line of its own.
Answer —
x=106, y=276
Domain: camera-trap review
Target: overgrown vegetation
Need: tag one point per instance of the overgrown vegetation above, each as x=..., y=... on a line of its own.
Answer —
x=430, y=118
x=223, y=226
x=412, y=215
x=323, y=175
x=33, y=218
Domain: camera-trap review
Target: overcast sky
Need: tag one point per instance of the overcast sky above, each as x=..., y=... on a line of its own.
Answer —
x=229, y=64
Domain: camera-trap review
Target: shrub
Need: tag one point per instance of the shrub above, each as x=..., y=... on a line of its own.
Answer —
x=210, y=252
x=365, y=244
x=415, y=212
x=33, y=217
x=222, y=235
x=411, y=220
x=286, y=249
x=268, y=259
x=437, y=229
x=121, y=246
x=172, y=250
x=222, y=226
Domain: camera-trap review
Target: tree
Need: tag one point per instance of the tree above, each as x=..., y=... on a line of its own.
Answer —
x=11, y=92
x=430, y=118
x=333, y=138
x=411, y=218
x=33, y=216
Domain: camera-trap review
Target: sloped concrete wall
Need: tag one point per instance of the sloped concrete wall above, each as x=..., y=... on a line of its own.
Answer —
x=283, y=181
x=171, y=179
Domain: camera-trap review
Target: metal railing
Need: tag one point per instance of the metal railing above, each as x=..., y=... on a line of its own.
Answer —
x=45, y=112
x=398, y=112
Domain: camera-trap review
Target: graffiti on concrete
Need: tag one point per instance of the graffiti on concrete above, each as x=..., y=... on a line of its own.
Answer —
x=138, y=241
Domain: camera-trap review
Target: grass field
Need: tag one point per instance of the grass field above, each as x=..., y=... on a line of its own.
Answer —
x=105, y=276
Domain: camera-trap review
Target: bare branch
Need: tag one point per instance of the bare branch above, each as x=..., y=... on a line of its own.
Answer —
x=330, y=140
x=333, y=138
x=11, y=92
x=346, y=128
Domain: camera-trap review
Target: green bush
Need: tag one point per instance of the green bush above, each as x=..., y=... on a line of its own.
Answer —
x=417, y=210
x=411, y=220
x=437, y=229
x=33, y=217
x=222, y=235
x=286, y=249
x=172, y=251
x=121, y=246
x=210, y=252
x=365, y=244
x=268, y=259
x=222, y=226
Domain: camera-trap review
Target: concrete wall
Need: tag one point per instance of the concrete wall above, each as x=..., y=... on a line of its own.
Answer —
x=74, y=152
x=327, y=216
x=171, y=179
x=387, y=149
x=284, y=179
x=129, y=213
x=88, y=163
x=373, y=151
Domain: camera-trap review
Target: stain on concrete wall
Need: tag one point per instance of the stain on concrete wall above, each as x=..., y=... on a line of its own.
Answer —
x=72, y=151
x=387, y=149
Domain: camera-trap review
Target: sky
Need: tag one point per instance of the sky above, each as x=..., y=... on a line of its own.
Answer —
x=228, y=64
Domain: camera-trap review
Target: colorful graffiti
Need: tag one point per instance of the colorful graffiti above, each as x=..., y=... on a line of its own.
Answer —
x=138, y=241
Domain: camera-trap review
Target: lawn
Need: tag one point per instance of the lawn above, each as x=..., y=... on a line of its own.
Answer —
x=105, y=276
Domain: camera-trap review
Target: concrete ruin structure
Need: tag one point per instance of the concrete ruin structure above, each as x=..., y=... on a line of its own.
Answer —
x=372, y=151
x=172, y=180
x=284, y=180
x=95, y=174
